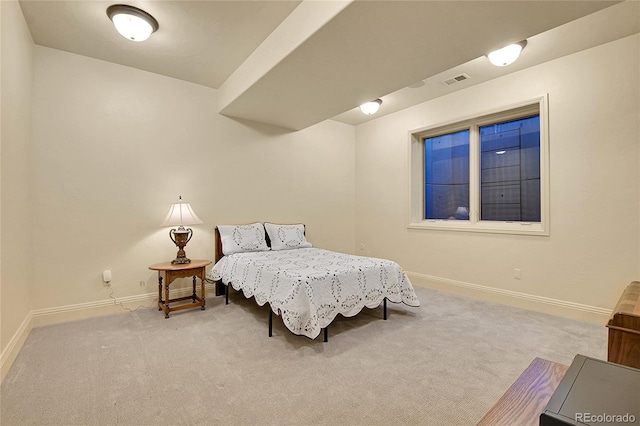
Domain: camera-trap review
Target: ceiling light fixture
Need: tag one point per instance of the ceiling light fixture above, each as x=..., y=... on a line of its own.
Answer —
x=507, y=55
x=370, y=108
x=132, y=23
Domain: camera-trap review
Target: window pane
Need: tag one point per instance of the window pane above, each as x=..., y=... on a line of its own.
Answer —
x=447, y=176
x=510, y=170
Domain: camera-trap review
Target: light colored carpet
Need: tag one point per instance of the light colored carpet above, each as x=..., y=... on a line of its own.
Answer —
x=445, y=363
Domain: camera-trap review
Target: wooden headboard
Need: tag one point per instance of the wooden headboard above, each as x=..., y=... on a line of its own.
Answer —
x=218, y=243
x=220, y=288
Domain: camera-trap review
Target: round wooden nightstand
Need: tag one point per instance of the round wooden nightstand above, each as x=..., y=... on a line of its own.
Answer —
x=168, y=272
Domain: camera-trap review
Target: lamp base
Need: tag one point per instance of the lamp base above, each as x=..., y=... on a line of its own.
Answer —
x=180, y=237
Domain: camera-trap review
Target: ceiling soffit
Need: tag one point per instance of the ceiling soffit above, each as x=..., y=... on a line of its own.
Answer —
x=370, y=49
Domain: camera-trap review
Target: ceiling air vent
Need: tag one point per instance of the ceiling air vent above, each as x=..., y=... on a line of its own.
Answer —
x=456, y=79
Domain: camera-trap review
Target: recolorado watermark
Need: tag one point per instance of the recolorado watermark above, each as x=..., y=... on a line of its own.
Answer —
x=605, y=418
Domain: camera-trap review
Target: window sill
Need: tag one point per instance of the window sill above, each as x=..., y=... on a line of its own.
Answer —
x=516, y=228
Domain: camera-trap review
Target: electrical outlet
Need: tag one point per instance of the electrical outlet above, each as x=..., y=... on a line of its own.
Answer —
x=517, y=274
x=361, y=246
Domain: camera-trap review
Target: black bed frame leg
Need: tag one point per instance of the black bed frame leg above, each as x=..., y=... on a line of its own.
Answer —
x=226, y=294
x=326, y=334
x=270, y=322
x=384, y=309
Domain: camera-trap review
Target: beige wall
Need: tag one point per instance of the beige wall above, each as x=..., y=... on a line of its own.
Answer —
x=15, y=261
x=113, y=147
x=593, y=249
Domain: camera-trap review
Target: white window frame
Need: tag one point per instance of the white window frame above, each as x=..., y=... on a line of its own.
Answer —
x=474, y=224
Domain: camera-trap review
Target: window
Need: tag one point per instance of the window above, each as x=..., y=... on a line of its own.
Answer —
x=446, y=174
x=487, y=173
x=510, y=170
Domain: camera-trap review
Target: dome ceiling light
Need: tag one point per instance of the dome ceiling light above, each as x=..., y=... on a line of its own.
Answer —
x=370, y=108
x=132, y=23
x=507, y=55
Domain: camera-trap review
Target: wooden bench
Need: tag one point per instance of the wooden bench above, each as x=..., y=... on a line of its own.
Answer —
x=624, y=328
x=527, y=397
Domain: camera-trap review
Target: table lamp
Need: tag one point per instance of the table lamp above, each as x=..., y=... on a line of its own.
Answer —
x=181, y=214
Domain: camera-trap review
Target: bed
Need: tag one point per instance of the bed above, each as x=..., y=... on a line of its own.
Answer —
x=306, y=286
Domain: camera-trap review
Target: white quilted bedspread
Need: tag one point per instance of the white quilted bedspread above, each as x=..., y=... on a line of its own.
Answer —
x=308, y=287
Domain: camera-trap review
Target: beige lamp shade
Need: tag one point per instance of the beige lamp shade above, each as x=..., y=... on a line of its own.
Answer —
x=181, y=214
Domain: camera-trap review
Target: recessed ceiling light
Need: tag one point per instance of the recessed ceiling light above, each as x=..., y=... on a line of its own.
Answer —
x=507, y=55
x=416, y=85
x=132, y=23
x=370, y=108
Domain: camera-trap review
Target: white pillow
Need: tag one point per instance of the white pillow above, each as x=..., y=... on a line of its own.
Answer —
x=242, y=238
x=285, y=237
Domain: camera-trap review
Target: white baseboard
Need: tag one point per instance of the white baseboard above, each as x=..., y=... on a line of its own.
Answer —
x=577, y=311
x=12, y=349
x=48, y=316
x=59, y=314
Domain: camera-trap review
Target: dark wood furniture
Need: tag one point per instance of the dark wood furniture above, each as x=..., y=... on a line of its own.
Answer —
x=168, y=272
x=624, y=328
x=220, y=288
x=528, y=396
x=594, y=392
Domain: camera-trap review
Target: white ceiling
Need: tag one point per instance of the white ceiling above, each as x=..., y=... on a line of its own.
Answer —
x=293, y=64
x=610, y=24
x=198, y=41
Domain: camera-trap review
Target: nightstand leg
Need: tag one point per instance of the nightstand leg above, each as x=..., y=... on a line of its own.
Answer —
x=202, y=290
x=166, y=299
x=193, y=296
x=159, y=290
